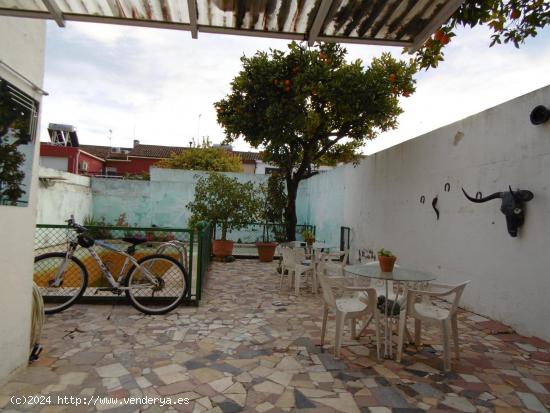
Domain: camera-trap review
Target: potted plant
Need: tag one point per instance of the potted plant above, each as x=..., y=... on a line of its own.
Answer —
x=386, y=260
x=274, y=201
x=227, y=203
x=309, y=236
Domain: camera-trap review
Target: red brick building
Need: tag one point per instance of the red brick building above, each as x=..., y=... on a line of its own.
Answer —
x=65, y=153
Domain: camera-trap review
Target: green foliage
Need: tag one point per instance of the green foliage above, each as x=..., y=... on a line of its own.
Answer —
x=11, y=175
x=511, y=21
x=308, y=106
x=224, y=201
x=274, y=202
x=143, y=176
x=276, y=199
x=95, y=227
x=308, y=235
x=14, y=131
x=308, y=103
x=385, y=253
x=203, y=159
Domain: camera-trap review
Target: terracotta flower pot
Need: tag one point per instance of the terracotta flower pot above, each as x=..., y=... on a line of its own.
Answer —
x=266, y=251
x=221, y=248
x=386, y=263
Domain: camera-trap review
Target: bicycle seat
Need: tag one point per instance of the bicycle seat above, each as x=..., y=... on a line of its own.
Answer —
x=134, y=241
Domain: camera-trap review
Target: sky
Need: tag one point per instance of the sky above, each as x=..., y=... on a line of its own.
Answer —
x=116, y=84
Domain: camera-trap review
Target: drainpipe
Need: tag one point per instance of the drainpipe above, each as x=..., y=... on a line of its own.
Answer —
x=77, y=158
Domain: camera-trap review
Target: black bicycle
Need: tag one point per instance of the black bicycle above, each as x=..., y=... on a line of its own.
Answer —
x=154, y=284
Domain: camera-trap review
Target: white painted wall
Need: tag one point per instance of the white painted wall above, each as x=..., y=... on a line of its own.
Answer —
x=486, y=152
x=62, y=194
x=22, y=44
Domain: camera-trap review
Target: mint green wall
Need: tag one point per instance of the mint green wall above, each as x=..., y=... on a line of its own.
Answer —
x=161, y=201
x=320, y=202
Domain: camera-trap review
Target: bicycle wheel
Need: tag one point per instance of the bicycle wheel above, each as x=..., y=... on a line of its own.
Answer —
x=173, y=284
x=74, y=279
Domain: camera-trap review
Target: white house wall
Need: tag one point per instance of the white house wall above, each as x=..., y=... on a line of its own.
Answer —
x=380, y=201
x=62, y=194
x=21, y=47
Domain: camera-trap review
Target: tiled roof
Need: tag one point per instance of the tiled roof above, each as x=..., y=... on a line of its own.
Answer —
x=249, y=156
x=154, y=151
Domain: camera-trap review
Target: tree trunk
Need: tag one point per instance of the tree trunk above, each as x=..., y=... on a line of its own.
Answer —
x=290, y=210
x=224, y=231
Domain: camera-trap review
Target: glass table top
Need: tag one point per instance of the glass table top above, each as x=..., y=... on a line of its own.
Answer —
x=322, y=246
x=398, y=274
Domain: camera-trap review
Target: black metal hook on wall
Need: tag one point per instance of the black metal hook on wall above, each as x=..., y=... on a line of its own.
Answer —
x=422, y=199
x=447, y=187
x=434, y=203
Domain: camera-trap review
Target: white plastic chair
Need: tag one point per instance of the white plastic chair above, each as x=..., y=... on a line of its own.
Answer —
x=292, y=264
x=347, y=308
x=419, y=306
x=336, y=267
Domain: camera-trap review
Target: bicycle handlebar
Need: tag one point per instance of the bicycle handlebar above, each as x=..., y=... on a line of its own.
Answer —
x=79, y=228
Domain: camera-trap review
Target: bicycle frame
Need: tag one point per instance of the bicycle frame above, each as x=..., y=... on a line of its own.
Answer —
x=115, y=283
x=179, y=246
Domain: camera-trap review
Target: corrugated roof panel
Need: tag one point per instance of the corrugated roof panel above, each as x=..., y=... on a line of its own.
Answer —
x=170, y=11
x=35, y=5
x=393, y=22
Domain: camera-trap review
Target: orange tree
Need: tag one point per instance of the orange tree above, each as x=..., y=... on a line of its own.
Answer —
x=511, y=21
x=203, y=159
x=308, y=106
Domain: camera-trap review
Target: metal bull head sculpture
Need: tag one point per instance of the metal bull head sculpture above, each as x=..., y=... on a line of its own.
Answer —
x=513, y=206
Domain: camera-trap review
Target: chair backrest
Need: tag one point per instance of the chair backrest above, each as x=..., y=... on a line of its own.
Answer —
x=288, y=257
x=328, y=285
x=457, y=290
x=299, y=254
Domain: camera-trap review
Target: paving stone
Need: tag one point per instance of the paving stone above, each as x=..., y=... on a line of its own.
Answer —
x=331, y=363
x=228, y=406
x=193, y=364
x=531, y=402
x=112, y=370
x=388, y=396
x=534, y=386
x=269, y=387
x=238, y=331
x=206, y=374
x=289, y=364
x=458, y=403
x=221, y=384
x=301, y=401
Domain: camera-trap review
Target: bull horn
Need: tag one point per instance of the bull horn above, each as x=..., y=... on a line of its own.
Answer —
x=484, y=199
x=526, y=195
x=512, y=192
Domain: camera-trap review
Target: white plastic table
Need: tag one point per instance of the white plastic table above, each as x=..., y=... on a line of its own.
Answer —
x=398, y=276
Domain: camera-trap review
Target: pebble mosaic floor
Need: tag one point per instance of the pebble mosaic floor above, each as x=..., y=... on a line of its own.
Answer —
x=250, y=347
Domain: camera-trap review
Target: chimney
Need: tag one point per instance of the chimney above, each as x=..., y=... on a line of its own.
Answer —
x=136, y=143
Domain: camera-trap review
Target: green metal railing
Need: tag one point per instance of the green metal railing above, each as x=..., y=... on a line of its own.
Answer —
x=192, y=249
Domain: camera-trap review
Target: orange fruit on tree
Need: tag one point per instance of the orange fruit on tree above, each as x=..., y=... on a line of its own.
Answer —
x=445, y=39
x=515, y=14
x=438, y=35
x=287, y=82
x=393, y=77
